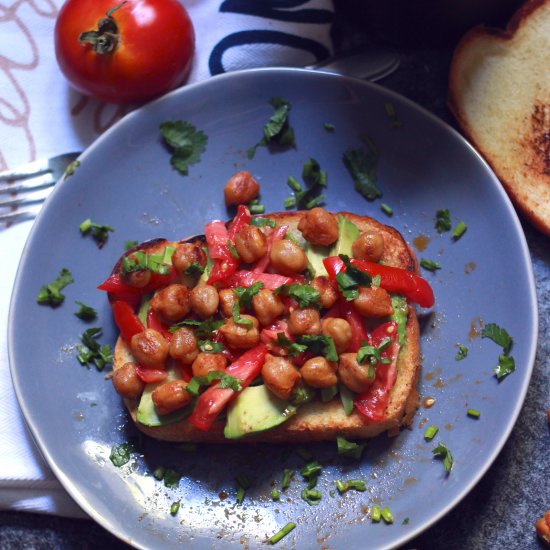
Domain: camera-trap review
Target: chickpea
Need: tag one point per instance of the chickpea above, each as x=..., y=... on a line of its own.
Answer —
x=267, y=306
x=353, y=375
x=126, y=381
x=287, y=257
x=319, y=227
x=542, y=527
x=227, y=301
x=304, y=321
x=150, y=348
x=280, y=376
x=187, y=254
x=137, y=279
x=204, y=300
x=340, y=332
x=241, y=188
x=368, y=246
x=251, y=244
x=373, y=301
x=183, y=346
x=171, y=303
x=206, y=362
x=241, y=336
x=170, y=397
x=327, y=292
x=317, y=372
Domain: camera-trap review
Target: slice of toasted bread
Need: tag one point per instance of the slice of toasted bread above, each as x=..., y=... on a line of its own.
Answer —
x=499, y=92
x=318, y=421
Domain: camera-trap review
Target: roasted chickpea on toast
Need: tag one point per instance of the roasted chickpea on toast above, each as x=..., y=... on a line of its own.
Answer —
x=292, y=326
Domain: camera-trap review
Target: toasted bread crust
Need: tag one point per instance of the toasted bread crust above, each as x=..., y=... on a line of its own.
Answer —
x=319, y=421
x=499, y=92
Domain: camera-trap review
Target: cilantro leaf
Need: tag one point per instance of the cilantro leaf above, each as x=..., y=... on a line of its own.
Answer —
x=443, y=220
x=208, y=346
x=319, y=344
x=350, y=449
x=121, y=453
x=186, y=142
x=362, y=167
x=350, y=280
x=506, y=365
x=86, y=313
x=50, y=294
x=307, y=197
x=226, y=381
x=244, y=299
x=92, y=352
x=498, y=335
x=202, y=329
x=100, y=232
x=293, y=348
x=304, y=294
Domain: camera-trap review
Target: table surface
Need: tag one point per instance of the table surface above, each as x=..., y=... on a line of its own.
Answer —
x=501, y=510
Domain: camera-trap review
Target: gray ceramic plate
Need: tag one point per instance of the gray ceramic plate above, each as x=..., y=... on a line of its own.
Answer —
x=125, y=180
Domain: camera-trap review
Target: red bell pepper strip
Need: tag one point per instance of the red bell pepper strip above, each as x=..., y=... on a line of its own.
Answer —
x=115, y=284
x=357, y=324
x=373, y=403
x=277, y=235
x=151, y=376
x=215, y=399
x=393, y=279
x=126, y=320
x=241, y=219
x=248, y=278
x=155, y=323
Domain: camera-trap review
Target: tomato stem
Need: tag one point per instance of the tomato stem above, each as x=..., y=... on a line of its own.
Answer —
x=105, y=39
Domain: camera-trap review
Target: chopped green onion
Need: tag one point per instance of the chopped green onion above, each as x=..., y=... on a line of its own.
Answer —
x=459, y=230
x=462, y=352
x=294, y=184
x=350, y=449
x=261, y=222
x=257, y=208
x=311, y=496
x=443, y=220
x=387, y=209
x=290, y=202
x=329, y=127
x=376, y=514
x=311, y=469
x=386, y=514
x=130, y=244
x=171, y=478
x=287, y=476
x=430, y=433
x=282, y=533
x=240, y=495
x=159, y=473
x=275, y=494
x=444, y=454
x=357, y=484
x=86, y=313
x=431, y=265
x=474, y=413
x=174, y=508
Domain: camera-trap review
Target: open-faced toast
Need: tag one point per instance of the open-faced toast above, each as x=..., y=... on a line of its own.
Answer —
x=389, y=399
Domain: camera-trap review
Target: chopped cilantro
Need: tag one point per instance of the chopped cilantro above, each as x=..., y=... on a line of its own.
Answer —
x=462, y=352
x=130, y=244
x=99, y=232
x=92, y=352
x=311, y=496
x=387, y=209
x=362, y=167
x=275, y=494
x=443, y=220
x=430, y=265
x=140, y=260
x=202, y=329
x=71, y=169
x=506, y=365
x=287, y=478
x=50, y=294
x=329, y=127
x=86, y=313
x=351, y=449
x=242, y=485
x=244, y=299
x=309, y=196
x=194, y=269
x=498, y=335
x=171, y=478
x=319, y=344
x=442, y=452
x=226, y=381
x=350, y=280
x=186, y=142
x=277, y=130
x=304, y=294
x=121, y=453
x=174, y=508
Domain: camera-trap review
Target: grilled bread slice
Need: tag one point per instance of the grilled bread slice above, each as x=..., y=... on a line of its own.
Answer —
x=316, y=421
x=499, y=92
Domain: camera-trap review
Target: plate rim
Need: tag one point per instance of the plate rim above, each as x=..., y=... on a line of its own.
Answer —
x=466, y=488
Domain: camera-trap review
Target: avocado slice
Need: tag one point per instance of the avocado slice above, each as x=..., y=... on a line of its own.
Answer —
x=255, y=410
x=147, y=414
x=400, y=313
x=347, y=233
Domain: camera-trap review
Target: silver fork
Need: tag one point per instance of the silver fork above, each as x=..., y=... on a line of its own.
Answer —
x=30, y=184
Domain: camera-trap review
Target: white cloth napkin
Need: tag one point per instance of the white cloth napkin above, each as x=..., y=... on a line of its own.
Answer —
x=41, y=116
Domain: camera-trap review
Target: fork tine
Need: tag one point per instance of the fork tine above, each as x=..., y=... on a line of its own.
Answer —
x=17, y=215
x=33, y=168
x=30, y=198
x=30, y=184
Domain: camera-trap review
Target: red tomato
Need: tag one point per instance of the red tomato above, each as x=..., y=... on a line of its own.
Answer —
x=130, y=52
x=126, y=320
x=151, y=376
